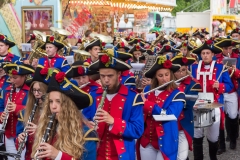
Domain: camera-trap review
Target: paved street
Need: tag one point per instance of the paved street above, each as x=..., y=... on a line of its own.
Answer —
x=228, y=155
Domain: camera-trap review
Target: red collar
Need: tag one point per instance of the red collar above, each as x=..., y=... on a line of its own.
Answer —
x=123, y=90
x=187, y=80
x=233, y=55
x=125, y=73
x=207, y=64
x=93, y=83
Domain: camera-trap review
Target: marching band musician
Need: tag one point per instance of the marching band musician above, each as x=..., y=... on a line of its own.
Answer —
x=185, y=121
x=38, y=89
x=185, y=49
x=53, y=60
x=93, y=47
x=230, y=98
x=235, y=34
x=137, y=52
x=214, y=79
x=122, y=47
x=18, y=75
x=6, y=44
x=80, y=72
x=79, y=43
x=160, y=139
x=119, y=118
x=69, y=137
x=168, y=50
x=32, y=42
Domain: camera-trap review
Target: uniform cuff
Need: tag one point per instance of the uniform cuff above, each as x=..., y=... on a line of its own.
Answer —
x=59, y=156
x=221, y=88
x=118, y=127
x=148, y=107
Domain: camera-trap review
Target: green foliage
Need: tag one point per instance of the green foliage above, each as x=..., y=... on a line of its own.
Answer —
x=183, y=4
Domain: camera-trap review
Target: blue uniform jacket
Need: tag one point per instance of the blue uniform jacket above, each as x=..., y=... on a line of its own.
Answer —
x=132, y=119
x=190, y=87
x=173, y=104
x=57, y=62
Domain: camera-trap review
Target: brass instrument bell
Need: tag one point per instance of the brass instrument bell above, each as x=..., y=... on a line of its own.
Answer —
x=37, y=51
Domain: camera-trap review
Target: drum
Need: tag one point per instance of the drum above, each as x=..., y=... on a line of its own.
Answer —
x=203, y=117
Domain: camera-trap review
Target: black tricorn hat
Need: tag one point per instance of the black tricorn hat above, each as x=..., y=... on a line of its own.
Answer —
x=185, y=44
x=207, y=45
x=42, y=74
x=167, y=48
x=94, y=42
x=136, y=40
x=236, y=30
x=183, y=61
x=203, y=30
x=60, y=83
x=226, y=42
x=4, y=39
x=79, y=69
x=18, y=69
x=52, y=40
x=32, y=37
x=122, y=45
x=160, y=63
x=109, y=61
x=136, y=47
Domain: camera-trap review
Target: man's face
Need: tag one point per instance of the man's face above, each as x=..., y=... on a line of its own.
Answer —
x=109, y=77
x=32, y=43
x=227, y=51
x=3, y=48
x=94, y=51
x=235, y=36
x=51, y=50
x=207, y=56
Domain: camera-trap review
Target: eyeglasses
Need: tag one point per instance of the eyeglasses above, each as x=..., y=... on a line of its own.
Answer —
x=181, y=71
x=38, y=91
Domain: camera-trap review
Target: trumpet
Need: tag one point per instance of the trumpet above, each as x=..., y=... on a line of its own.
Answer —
x=47, y=133
x=6, y=109
x=100, y=106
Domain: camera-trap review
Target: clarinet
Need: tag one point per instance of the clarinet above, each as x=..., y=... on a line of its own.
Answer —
x=47, y=132
x=6, y=109
x=100, y=106
x=30, y=119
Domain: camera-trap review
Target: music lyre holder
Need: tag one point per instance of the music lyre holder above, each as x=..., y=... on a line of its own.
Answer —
x=13, y=155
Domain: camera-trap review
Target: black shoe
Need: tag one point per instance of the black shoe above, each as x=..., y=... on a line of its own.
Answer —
x=221, y=150
x=233, y=145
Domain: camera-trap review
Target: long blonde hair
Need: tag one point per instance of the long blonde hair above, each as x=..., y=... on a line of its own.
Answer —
x=68, y=128
x=171, y=86
x=31, y=100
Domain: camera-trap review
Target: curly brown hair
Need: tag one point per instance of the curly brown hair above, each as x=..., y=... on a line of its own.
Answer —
x=68, y=128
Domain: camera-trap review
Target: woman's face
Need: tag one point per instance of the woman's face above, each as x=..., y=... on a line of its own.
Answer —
x=184, y=51
x=37, y=92
x=181, y=72
x=137, y=54
x=82, y=80
x=55, y=102
x=163, y=76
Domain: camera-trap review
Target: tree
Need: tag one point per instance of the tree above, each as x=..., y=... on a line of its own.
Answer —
x=201, y=5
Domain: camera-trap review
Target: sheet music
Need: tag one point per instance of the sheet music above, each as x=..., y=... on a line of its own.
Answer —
x=170, y=117
x=26, y=47
x=70, y=59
